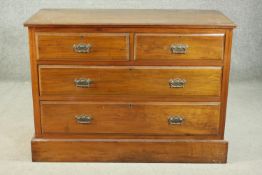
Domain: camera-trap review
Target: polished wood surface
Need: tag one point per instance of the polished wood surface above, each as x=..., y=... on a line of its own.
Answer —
x=113, y=150
x=129, y=29
x=158, y=46
x=141, y=81
x=130, y=64
x=127, y=136
x=35, y=82
x=132, y=118
x=104, y=46
x=225, y=82
x=132, y=98
x=130, y=17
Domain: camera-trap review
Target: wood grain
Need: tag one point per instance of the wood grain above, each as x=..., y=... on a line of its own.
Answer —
x=158, y=62
x=127, y=136
x=140, y=81
x=130, y=98
x=113, y=150
x=130, y=118
x=225, y=81
x=35, y=83
x=105, y=46
x=157, y=46
x=131, y=17
x=129, y=29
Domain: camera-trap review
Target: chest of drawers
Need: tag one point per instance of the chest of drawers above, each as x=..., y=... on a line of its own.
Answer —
x=130, y=85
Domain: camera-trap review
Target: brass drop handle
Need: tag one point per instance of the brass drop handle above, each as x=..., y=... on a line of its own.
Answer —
x=175, y=120
x=83, y=82
x=178, y=48
x=83, y=119
x=177, y=83
x=82, y=48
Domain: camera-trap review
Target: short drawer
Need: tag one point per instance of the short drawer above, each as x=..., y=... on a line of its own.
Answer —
x=83, y=46
x=168, y=47
x=122, y=80
x=135, y=118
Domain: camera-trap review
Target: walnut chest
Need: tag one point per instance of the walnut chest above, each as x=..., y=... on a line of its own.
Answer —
x=130, y=85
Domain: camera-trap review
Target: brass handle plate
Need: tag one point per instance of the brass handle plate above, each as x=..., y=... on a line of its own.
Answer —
x=175, y=120
x=82, y=48
x=177, y=83
x=178, y=48
x=83, y=119
x=83, y=83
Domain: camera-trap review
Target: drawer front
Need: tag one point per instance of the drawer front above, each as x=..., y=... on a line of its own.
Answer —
x=137, y=118
x=121, y=80
x=83, y=46
x=178, y=47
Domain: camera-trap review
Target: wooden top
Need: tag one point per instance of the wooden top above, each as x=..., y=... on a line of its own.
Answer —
x=124, y=17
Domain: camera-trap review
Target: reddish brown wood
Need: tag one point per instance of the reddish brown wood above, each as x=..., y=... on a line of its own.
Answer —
x=127, y=136
x=132, y=17
x=204, y=63
x=141, y=81
x=127, y=150
x=104, y=46
x=131, y=49
x=35, y=85
x=134, y=73
x=131, y=98
x=151, y=46
x=129, y=29
x=225, y=81
x=131, y=118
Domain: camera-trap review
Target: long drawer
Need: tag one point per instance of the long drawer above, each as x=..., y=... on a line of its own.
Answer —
x=168, y=47
x=83, y=46
x=122, y=80
x=135, y=118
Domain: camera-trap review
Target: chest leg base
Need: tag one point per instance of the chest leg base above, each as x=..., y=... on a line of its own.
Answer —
x=129, y=150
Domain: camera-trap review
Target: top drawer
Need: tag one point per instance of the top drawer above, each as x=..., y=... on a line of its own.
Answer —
x=83, y=46
x=168, y=47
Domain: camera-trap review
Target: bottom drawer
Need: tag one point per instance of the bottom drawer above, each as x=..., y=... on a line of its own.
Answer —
x=148, y=118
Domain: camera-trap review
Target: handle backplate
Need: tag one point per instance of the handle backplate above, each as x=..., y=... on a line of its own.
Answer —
x=178, y=48
x=82, y=48
x=177, y=83
x=83, y=119
x=175, y=120
x=83, y=82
